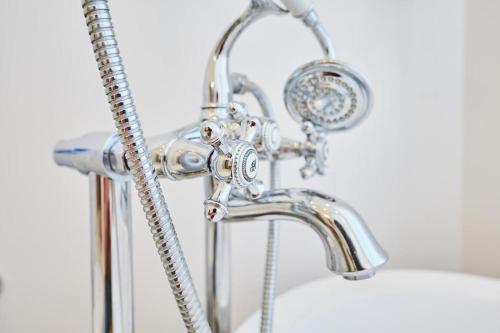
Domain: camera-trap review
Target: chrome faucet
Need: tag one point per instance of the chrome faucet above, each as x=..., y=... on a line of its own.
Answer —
x=351, y=250
x=226, y=147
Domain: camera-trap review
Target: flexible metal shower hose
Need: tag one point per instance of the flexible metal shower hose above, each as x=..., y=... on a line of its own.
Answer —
x=269, y=294
x=127, y=124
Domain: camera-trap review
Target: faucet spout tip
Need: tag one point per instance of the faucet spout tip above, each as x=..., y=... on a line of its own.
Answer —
x=358, y=276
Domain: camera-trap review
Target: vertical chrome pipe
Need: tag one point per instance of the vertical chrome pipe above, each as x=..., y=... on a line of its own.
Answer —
x=218, y=277
x=218, y=272
x=111, y=255
x=217, y=94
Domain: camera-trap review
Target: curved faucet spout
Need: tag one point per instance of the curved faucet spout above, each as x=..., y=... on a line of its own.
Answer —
x=351, y=249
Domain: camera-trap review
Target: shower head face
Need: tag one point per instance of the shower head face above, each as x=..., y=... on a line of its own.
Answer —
x=329, y=94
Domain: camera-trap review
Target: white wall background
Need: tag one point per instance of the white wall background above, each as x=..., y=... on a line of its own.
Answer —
x=402, y=168
x=482, y=161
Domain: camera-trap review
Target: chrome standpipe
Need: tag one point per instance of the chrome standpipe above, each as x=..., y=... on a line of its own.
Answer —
x=218, y=271
x=111, y=259
x=218, y=108
x=99, y=155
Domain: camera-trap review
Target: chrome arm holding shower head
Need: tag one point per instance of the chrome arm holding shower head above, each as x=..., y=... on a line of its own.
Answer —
x=303, y=10
x=217, y=90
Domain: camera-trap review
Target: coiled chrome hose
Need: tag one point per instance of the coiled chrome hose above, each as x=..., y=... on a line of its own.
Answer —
x=127, y=124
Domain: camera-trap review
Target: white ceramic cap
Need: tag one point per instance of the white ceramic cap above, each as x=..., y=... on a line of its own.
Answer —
x=298, y=7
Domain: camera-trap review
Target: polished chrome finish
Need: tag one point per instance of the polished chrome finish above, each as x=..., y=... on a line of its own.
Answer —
x=114, y=79
x=111, y=246
x=237, y=111
x=217, y=92
x=251, y=129
x=98, y=152
x=330, y=94
x=177, y=158
x=215, y=205
x=325, y=96
x=218, y=271
x=233, y=164
x=315, y=150
x=303, y=10
x=351, y=250
x=225, y=148
x=242, y=85
x=217, y=98
x=312, y=21
x=218, y=277
x=270, y=136
x=289, y=148
x=220, y=113
x=177, y=155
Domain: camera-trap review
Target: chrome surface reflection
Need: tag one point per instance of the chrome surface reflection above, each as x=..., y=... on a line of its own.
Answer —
x=351, y=250
x=111, y=255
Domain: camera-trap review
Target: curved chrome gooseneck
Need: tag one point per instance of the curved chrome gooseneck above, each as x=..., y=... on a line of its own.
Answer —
x=217, y=91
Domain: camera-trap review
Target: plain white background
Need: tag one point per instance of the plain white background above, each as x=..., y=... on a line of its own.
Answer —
x=402, y=168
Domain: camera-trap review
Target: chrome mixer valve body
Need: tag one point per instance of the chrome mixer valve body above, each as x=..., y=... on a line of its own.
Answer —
x=234, y=162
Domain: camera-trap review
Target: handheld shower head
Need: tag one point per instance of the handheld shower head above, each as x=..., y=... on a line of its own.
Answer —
x=329, y=94
x=325, y=96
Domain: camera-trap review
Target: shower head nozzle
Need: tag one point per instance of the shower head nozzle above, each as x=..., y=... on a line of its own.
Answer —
x=329, y=94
